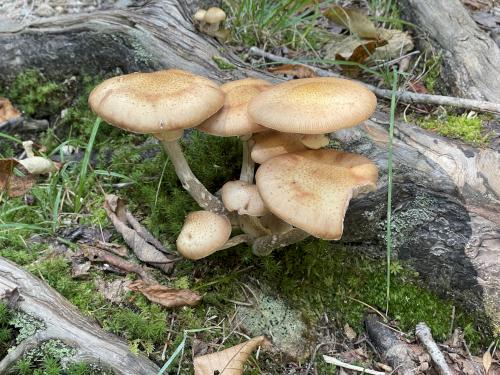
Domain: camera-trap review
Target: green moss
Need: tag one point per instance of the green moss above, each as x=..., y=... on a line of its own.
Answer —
x=35, y=95
x=223, y=63
x=431, y=79
x=465, y=128
x=6, y=333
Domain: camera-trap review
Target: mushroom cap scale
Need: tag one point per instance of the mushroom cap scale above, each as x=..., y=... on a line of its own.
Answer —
x=312, y=189
x=156, y=102
x=313, y=105
x=202, y=234
x=233, y=118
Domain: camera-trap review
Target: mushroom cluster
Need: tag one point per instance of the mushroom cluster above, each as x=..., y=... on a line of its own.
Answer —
x=300, y=188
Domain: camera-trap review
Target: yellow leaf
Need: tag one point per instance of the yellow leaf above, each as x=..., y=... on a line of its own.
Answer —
x=352, y=19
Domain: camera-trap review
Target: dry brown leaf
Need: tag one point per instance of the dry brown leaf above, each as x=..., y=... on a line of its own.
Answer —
x=7, y=110
x=166, y=296
x=13, y=185
x=349, y=332
x=113, y=291
x=295, y=70
x=487, y=361
x=146, y=252
x=353, y=20
x=230, y=361
x=360, y=54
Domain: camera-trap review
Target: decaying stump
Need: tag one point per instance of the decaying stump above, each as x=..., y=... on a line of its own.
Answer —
x=62, y=321
x=446, y=195
x=471, y=59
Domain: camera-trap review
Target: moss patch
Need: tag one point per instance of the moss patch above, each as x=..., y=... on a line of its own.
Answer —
x=465, y=128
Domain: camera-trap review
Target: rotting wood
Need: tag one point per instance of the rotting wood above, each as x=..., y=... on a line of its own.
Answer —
x=64, y=322
x=446, y=194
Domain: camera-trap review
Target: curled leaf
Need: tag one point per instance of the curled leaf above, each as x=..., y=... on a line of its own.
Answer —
x=11, y=183
x=229, y=361
x=165, y=296
x=360, y=54
x=353, y=20
x=295, y=70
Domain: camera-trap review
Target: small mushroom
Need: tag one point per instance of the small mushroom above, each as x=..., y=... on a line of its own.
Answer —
x=311, y=189
x=202, y=234
x=213, y=18
x=273, y=143
x=243, y=197
x=36, y=164
x=314, y=141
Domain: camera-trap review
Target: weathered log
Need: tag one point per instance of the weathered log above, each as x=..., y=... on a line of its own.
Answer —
x=446, y=195
x=64, y=322
x=471, y=59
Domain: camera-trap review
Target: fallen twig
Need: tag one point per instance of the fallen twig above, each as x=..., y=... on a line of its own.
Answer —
x=336, y=362
x=405, y=96
x=423, y=333
x=96, y=254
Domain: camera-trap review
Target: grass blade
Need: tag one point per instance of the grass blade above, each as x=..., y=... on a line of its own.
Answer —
x=85, y=166
x=389, y=189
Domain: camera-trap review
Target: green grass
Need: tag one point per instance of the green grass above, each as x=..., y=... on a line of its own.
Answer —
x=268, y=24
x=466, y=128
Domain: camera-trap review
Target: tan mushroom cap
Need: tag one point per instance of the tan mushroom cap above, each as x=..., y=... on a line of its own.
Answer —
x=272, y=143
x=214, y=15
x=156, y=102
x=313, y=105
x=243, y=197
x=202, y=234
x=233, y=118
x=312, y=189
x=314, y=141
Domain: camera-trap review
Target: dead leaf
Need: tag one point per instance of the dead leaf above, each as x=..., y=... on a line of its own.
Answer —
x=146, y=252
x=230, y=361
x=295, y=70
x=478, y=4
x=353, y=20
x=7, y=111
x=487, y=361
x=349, y=332
x=113, y=291
x=80, y=270
x=12, y=184
x=359, y=56
x=418, y=87
x=166, y=296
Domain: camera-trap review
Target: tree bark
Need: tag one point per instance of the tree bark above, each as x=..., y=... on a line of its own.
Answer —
x=471, y=59
x=64, y=322
x=446, y=195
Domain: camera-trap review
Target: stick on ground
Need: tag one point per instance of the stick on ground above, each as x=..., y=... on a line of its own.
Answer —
x=423, y=333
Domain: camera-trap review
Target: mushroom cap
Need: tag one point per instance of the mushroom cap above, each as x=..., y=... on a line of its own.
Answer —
x=200, y=15
x=272, y=143
x=7, y=110
x=243, y=197
x=311, y=189
x=156, y=102
x=313, y=105
x=214, y=15
x=202, y=234
x=314, y=141
x=233, y=118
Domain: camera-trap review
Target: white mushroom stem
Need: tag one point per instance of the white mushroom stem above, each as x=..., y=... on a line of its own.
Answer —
x=247, y=165
x=236, y=240
x=265, y=245
x=193, y=186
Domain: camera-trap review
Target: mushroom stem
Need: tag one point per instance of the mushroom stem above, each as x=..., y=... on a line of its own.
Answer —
x=265, y=245
x=247, y=165
x=193, y=186
x=236, y=240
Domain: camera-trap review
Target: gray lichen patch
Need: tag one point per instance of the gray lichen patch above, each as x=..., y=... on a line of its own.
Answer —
x=26, y=324
x=273, y=317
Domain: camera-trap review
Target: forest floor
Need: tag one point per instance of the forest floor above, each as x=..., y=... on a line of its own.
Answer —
x=310, y=298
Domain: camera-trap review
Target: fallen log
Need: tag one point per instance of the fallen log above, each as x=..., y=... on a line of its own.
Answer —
x=471, y=59
x=446, y=194
x=64, y=322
